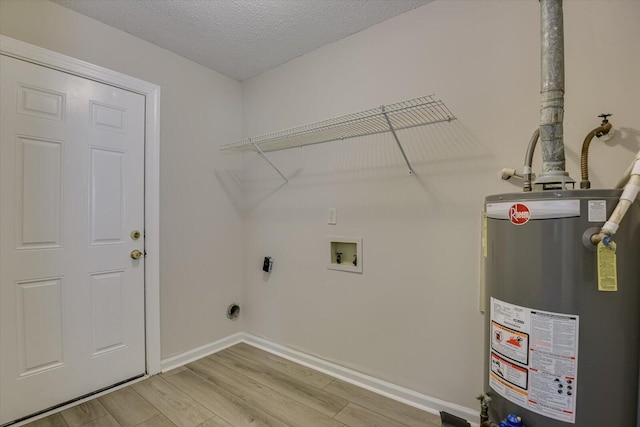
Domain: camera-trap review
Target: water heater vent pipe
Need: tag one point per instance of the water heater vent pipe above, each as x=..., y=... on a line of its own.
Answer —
x=552, y=95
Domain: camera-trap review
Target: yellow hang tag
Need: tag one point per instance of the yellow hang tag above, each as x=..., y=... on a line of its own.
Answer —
x=607, y=269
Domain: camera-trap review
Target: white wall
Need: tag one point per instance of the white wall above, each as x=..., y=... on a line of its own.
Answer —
x=200, y=218
x=412, y=317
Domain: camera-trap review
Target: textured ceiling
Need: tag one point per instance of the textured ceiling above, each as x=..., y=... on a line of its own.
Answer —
x=241, y=38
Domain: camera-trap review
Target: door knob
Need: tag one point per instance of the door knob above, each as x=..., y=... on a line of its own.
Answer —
x=135, y=234
x=136, y=254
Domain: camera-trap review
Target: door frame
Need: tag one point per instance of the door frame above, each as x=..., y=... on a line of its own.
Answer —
x=57, y=61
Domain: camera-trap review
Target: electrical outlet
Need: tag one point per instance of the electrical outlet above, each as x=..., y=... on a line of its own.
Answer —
x=333, y=216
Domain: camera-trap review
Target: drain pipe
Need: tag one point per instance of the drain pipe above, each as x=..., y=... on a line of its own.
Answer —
x=629, y=194
x=553, y=173
x=625, y=177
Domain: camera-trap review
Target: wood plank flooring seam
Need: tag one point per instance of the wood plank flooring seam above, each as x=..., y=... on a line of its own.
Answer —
x=271, y=401
x=241, y=387
x=303, y=373
x=128, y=407
x=357, y=416
x=227, y=406
x=323, y=401
x=174, y=403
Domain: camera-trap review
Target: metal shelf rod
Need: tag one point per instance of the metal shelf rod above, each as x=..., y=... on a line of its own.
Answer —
x=264, y=156
x=395, y=136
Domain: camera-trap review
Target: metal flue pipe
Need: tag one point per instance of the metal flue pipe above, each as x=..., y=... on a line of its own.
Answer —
x=552, y=93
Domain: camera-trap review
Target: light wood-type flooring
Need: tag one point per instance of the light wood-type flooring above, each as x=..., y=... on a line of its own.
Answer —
x=241, y=386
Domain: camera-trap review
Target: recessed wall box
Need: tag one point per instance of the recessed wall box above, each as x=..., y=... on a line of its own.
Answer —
x=345, y=253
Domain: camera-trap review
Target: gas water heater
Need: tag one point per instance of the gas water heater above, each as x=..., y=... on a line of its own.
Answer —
x=562, y=348
x=562, y=281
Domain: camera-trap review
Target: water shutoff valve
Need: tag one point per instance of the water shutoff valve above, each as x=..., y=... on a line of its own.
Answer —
x=602, y=135
x=512, y=420
x=608, y=242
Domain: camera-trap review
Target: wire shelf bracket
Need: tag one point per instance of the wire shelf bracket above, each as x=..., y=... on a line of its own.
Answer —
x=264, y=156
x=422, y=111
x=395, y=136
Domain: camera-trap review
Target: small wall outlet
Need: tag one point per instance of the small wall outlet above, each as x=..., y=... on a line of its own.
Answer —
x=333, y=216
x=267, y=264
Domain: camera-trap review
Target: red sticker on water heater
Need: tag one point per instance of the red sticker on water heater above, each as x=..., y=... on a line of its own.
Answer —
x=519, y=214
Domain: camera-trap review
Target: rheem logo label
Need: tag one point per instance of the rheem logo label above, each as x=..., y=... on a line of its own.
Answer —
x=519, y=214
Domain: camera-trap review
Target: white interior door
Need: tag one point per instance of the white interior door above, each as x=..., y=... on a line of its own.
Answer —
x=71, y=193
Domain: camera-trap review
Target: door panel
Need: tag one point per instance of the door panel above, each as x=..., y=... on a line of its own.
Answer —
x=38, y=193
x=108, y=117
x=40, y=102
x=107, y=308
x=107, y=196
x=39, y=325
x=71, y=191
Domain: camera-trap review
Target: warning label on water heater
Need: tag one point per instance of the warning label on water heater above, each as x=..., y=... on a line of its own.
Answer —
x=534, y=359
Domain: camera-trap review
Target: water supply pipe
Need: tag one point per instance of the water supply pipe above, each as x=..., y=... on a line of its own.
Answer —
x=552, y=96
x=528, y=160
x=603, y=129
x=628, y=196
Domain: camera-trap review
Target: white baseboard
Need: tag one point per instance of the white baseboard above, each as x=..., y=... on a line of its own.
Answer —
x=401, y=394
x=200, y=352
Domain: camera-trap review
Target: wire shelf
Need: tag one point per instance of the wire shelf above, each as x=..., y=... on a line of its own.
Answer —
x=422, y=111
